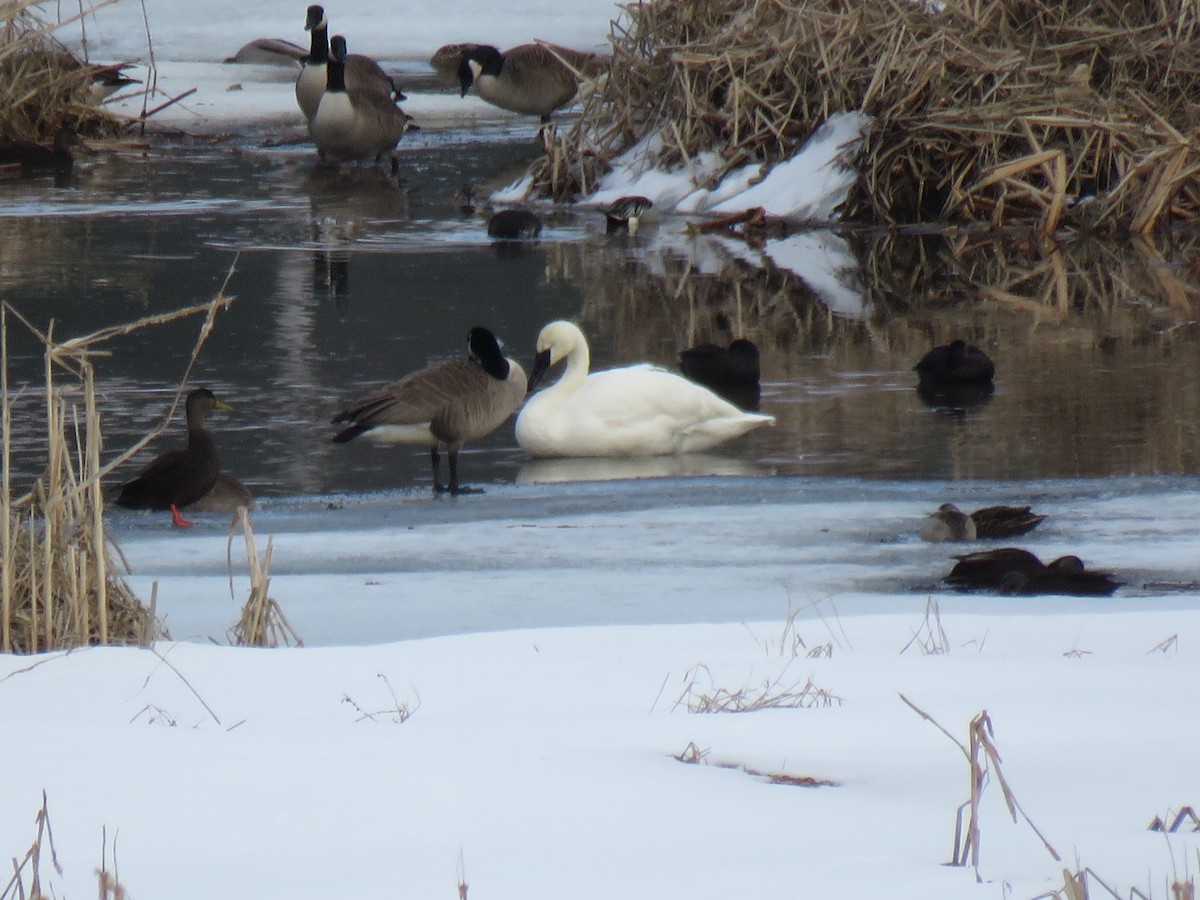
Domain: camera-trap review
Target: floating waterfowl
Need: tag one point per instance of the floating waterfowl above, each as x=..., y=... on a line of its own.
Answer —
x=514, y=225
x=179, y=478
x=363, y=75
x=624, y=214
x=1005, y=521
x=358, y=124
x=733, y=371
x=1011, y=570
x=34, y=158
x=947, y=523
x=270, y=52
x=527, y=79
x=639, y=410
x=955, y=363
x=445, y=404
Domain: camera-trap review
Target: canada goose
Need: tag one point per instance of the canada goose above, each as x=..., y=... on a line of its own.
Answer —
x=624, y=214
x=955, y=363
x=638, y=410
x=1005, y=521
x=947, y=523
x=179, y=478
x=33, y=157
x=226, y=495
x=1011, y=570
x=527, y=79
x=514, y=224
x=446, y=60
x=363, y=74
x=270, y=52
x=354, y=125
x=447, y=403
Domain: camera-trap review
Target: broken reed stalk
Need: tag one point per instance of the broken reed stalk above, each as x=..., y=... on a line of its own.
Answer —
x=262, y=622
x=15, y=888
x=999, y=111
x=983, y=759
x=60, y=588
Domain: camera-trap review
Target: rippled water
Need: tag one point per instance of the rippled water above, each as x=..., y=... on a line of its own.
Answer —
x=345, y=281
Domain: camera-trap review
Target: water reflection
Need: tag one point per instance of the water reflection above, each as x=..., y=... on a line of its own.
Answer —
x=349, y=280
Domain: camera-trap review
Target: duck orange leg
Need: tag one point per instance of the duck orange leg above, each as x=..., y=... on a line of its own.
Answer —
x=177, y=520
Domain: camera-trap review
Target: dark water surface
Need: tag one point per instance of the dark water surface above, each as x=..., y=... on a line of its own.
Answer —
x=345, y=281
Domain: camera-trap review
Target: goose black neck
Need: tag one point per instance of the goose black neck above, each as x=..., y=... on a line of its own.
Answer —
x=318, y=51
x=335, y=75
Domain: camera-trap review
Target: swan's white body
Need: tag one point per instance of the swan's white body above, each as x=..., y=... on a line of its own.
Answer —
x=639, y=410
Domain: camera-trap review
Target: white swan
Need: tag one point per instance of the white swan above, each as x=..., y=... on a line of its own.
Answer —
x=639, y=410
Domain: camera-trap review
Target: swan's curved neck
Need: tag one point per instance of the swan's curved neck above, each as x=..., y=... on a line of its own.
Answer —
x=578, y=361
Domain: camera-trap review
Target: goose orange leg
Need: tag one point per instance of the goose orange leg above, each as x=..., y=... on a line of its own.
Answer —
x=177, y=520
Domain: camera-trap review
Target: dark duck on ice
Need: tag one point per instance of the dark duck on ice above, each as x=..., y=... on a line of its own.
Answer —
x=179, y=478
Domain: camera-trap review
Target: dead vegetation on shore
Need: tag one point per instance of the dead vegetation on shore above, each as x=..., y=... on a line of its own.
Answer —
x=1006, y=112
x=44, y=85
x=60, y=586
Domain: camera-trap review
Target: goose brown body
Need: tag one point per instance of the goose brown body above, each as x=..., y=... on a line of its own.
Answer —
x=527, y=79
x=179, y=477
x=446, y=404
x=354, y=125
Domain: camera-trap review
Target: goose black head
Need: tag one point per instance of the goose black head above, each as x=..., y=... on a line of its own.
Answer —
x=482, y=59
x=315, y=18
x=483, y=347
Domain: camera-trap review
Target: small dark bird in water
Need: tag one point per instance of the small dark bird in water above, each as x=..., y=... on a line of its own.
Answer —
x=955, y=363
x=33, y=157
x=179, y=478
x=732, y=372
x=1005, y=521
x=624, y=214
x=447, y=403
x=947, y=523
x=514, y=225
x=1011, y=570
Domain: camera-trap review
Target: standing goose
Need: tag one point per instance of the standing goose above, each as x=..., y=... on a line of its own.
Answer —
x=638, y=410
x=362, y=73
x=527, y=79
x=354, y=124
x=447, y=403
x=179, y=478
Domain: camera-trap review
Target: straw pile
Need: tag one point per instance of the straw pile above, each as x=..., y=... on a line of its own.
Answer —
x=59, y=586
x=43, y=85
x=1001, y=111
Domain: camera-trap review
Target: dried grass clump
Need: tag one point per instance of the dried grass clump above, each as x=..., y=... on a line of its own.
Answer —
x=1004, y=111
x=43, y=85
x=262, y=622
x=59, y=587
